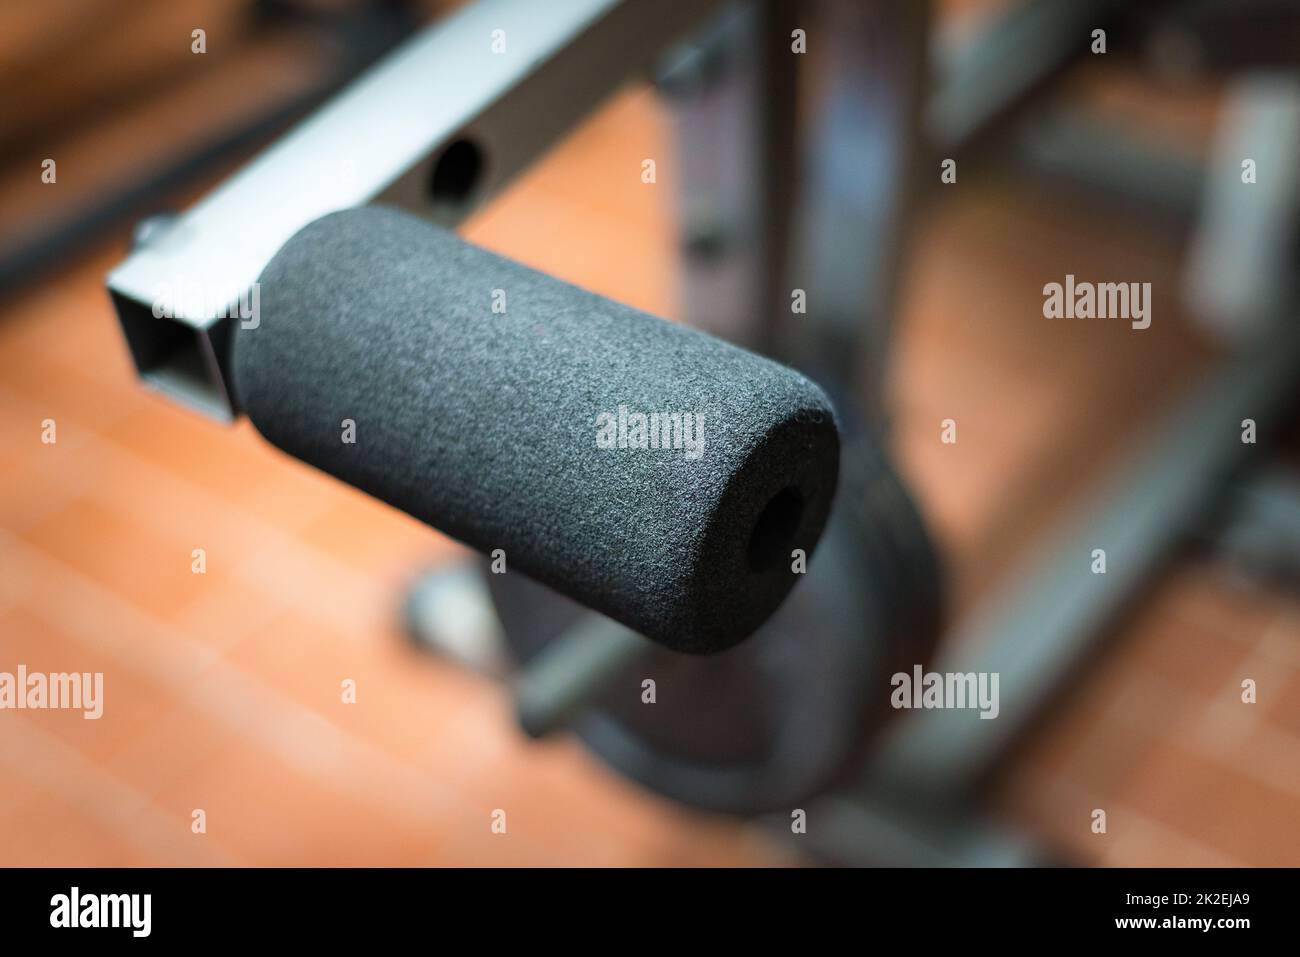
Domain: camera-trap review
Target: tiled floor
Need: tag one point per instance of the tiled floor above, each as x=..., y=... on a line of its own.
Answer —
x=223, y=689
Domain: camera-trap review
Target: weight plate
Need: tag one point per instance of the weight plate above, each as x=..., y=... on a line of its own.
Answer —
x=789, y=712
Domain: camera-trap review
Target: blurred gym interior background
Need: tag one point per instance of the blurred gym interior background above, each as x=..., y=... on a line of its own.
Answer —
x=223, y=687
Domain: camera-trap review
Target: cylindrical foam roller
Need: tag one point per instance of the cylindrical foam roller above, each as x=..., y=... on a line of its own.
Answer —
x=653, y=473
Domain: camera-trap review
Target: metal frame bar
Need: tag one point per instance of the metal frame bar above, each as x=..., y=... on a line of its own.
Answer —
x=379, y=141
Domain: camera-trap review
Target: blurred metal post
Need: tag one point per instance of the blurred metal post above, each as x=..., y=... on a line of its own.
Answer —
x=732, y=91
x=1054, y=612
x=1241, y=264
x=859, y=157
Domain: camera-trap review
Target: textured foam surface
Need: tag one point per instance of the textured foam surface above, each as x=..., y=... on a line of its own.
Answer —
x=485, y=424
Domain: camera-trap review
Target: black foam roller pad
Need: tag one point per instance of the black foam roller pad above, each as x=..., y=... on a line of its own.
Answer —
x=504, y=407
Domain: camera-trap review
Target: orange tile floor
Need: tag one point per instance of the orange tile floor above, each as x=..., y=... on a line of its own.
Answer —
x=222, y=689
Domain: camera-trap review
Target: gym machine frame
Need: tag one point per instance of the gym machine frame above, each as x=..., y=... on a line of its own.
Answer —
x=726, y=69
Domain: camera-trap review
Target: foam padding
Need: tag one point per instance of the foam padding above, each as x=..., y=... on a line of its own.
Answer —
x=488, y=424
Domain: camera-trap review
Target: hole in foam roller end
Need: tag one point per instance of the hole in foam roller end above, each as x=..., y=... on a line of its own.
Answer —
x=773, y=535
